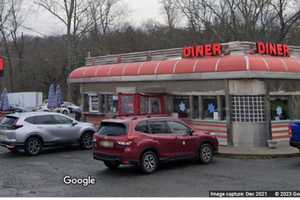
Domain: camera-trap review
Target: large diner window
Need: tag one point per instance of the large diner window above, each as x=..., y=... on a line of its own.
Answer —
x=279, y=108
x=140, y=104
x=150, y=105
x=127, y=104
x=181, y=105
x=93, y=103
x=210, y=107
x=103, y=103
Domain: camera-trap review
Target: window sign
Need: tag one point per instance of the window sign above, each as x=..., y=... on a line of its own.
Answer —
x=211, y=108
x=216, y=116
x=182, y=107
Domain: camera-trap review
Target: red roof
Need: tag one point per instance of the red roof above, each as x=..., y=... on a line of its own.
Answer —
x=230, y=63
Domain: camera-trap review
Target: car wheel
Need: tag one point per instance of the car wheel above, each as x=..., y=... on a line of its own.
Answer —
x=206, y=153
x=33, y=146
x=111, y=164
x=65, y=112
x=86, y=140
x=149, y=162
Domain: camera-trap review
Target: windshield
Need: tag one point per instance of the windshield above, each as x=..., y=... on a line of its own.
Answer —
x=112, y=129
x=8, y=122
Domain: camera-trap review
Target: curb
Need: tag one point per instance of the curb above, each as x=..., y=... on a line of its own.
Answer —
x=257, y=156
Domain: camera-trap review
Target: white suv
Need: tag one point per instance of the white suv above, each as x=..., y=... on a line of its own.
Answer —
x=34, y=130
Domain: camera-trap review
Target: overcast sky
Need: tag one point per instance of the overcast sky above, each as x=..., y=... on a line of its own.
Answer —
x=45, y=24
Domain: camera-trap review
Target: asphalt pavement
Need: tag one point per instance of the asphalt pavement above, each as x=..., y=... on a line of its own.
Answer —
x=43, y=176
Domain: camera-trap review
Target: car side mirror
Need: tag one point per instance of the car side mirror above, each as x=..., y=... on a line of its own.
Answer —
x=191, y=131
x=74, y=123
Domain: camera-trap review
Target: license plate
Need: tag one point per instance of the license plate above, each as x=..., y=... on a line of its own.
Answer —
x=107, y=144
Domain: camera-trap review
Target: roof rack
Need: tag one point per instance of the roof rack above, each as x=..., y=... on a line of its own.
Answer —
x=230, y=48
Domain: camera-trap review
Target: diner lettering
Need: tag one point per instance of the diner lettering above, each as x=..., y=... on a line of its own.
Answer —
x=272, y=49
x=202, y=50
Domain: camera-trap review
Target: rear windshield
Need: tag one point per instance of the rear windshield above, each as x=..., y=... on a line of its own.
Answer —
x=112, y=129
x=8, y=122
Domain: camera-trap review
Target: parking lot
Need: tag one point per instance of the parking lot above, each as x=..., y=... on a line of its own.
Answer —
x=43, y=176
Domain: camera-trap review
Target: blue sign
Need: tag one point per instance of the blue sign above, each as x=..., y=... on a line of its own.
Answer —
x=211, y=108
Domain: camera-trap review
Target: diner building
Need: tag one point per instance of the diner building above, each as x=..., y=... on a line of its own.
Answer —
x=245, y=93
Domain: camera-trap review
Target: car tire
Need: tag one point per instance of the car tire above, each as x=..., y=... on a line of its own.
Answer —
x=86, y=140
x=33, y=146
x=112, y=164
x=205, y=154
x=149, y=162
x=64, y=112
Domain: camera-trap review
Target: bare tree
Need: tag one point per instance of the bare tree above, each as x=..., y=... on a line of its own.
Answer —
x=171, y=12
x=104, y=13
x=248, y=18
x=194, y=12
x=201, y=15
x=73, y=14
x=229, y=19
x=288, y=14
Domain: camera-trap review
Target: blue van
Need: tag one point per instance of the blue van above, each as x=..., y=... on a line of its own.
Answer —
x=294, y=132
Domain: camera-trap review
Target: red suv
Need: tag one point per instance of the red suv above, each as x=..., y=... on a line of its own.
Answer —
x=147, y=141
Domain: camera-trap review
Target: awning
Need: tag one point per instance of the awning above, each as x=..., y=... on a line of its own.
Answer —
x=223, y=67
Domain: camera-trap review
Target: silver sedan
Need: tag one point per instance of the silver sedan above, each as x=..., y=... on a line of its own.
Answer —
x=34, y=130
